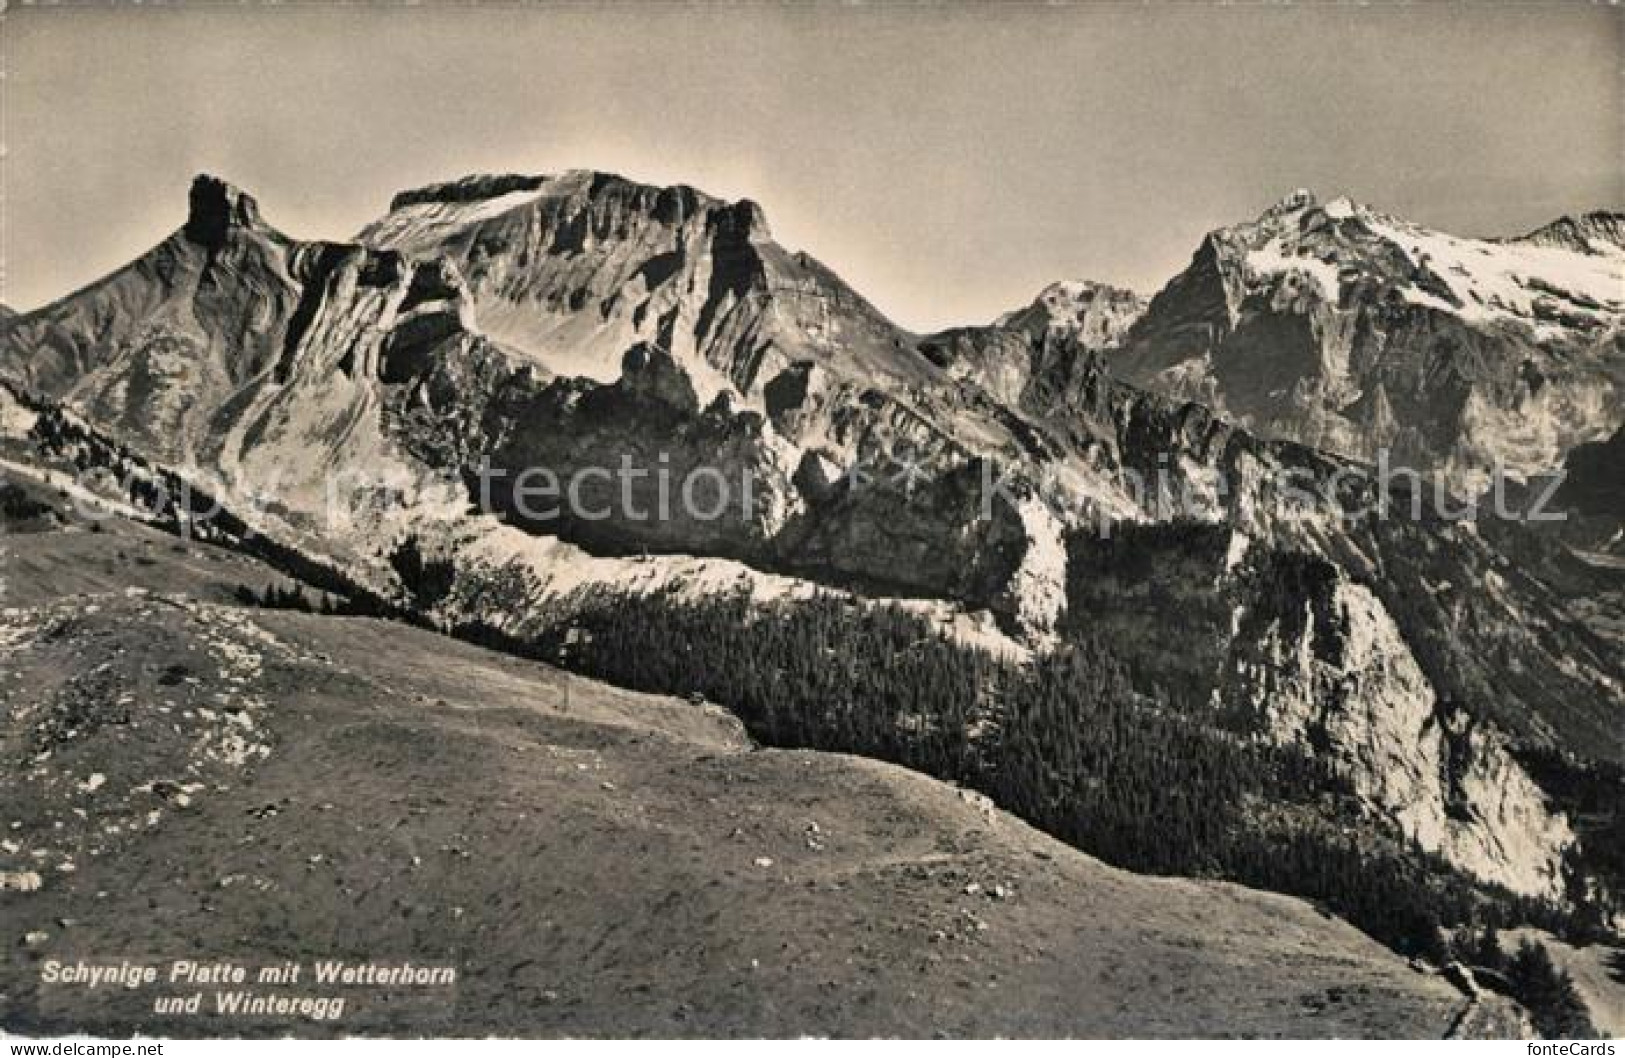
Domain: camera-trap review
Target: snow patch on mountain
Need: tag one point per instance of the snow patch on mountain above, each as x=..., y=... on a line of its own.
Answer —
x=433, y=221
x=1340, y=208
x=1272, y=259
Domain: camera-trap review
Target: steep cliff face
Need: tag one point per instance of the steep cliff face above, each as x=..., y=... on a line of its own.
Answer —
x=997, y=359
x=866, y=455
x=1323, y=666
x=1270, y=641
x=1591, y=496
x=1341, y=327
x=1594, y=482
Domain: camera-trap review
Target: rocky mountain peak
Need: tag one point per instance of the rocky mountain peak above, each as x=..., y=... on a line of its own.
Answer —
x=1082, y=291
x=1302, y=216
x=1098, y=314
x=215, y=208
x=1298, y=199
x=1598, y=232
x=570, y=270
x=1328, y=323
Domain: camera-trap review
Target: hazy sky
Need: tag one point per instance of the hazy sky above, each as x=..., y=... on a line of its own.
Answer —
x=948, y=161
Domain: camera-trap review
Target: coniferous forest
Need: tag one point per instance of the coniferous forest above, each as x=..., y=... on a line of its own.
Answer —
x=1063, y=741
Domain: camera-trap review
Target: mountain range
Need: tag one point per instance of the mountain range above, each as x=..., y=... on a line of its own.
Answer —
x=1454, y=684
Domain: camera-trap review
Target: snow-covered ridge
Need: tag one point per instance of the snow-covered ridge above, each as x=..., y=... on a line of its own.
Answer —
x=1544, y=280
x=1600, y=231
x=1499, y=281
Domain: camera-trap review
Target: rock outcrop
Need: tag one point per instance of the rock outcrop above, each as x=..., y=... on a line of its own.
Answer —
x=1324, y=667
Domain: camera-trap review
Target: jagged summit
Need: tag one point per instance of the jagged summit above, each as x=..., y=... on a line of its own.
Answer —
x=1564, y=277
x=215, y=207
x=1296, y=199
x=1301, y=210
x=1303, y=198
x=1084, y=290
x=1598, y=232
x=1099, y=314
